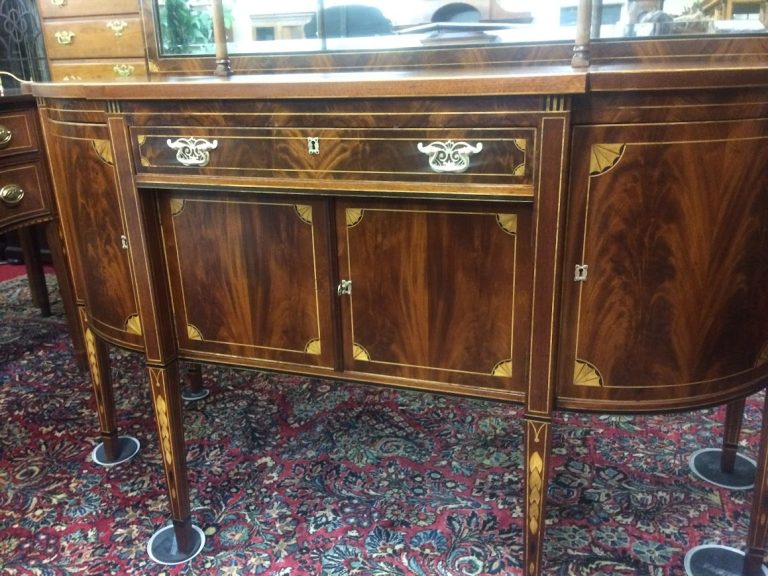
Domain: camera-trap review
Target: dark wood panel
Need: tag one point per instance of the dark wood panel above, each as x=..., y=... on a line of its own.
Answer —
x=250, y=276
x=91, y=211
x=439, y=293
x=674, y=222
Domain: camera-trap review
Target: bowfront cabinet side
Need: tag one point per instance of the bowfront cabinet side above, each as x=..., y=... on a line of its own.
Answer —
x=87, y=195
x=250, y=277
x=436, y=293
x=668, y=240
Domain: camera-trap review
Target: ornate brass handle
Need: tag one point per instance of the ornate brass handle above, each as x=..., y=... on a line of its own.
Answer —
x=11, y=195
x=64, y=37
x=192, y=151
x=5, y=137
x=123, y=70
x=449, y=156
x=117, y=26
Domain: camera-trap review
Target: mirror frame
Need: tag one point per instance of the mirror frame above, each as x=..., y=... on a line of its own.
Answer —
x=581, y=53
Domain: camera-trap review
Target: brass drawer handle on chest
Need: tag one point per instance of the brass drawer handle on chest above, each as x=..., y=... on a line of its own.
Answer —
x=192, y=151
x=449, y=156
x=11, y=195
x=117, y=26
x=5, y=137
x=123, y=70
x=64, y=37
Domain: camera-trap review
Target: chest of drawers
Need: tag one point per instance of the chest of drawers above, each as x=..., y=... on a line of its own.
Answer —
x=89, y=40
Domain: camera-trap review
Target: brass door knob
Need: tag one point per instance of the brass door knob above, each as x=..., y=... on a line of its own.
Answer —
x=11, y=195
x=5, y=136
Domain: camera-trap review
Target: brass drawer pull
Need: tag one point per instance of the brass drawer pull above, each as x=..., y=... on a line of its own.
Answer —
x=11, y=195
x=449, y=156
x=117, y=26
x=5, y=137
x=64, y=37
x=123, y=70
x=192, y=151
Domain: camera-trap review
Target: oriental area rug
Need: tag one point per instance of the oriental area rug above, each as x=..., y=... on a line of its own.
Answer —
x=300, y=476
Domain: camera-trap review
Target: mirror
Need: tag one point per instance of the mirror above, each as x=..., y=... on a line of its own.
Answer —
x=319, y=25
x=653, y=18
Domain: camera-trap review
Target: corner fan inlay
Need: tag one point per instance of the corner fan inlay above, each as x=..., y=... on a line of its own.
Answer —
x=507, y=222
x=104, y=149
x=522, y=145
x=193, y=333
x=353, y=216
x=762, y=358
x=585, y=374
x=360, y=353
x=304, y=212
x=503, y=369
x=133, y=325
x=313, y=347
x=603, y=157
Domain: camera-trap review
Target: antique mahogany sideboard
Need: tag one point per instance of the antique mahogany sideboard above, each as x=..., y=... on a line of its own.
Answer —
x=568, y=238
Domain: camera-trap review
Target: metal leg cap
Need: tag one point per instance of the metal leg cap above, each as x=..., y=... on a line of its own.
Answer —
x=715, y=560
x=163, y=549
x=128, y=447
x=194, y=395
x=705, y=464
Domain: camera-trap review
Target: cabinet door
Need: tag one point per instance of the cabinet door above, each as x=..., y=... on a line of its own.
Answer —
x=249, y=276
x=86, y=191
x=672, y=223
x=439, y=293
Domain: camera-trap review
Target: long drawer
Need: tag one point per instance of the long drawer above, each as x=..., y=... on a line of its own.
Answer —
x=74, y=8
x=106, y=37
x=463, y=156
x=108, y=70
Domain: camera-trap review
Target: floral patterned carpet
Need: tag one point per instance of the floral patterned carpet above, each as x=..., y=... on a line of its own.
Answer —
x=298, y=476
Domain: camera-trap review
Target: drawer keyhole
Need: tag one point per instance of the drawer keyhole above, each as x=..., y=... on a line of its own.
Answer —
x=313, y=145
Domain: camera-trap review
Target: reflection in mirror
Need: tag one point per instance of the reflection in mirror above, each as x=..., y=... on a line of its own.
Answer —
x=316, y=25
x=648, y=18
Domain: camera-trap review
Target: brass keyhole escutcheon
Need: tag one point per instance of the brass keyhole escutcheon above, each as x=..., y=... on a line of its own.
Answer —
x=11, y=195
